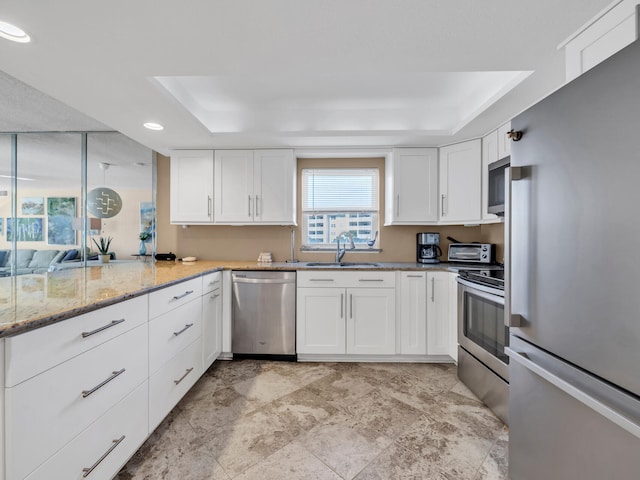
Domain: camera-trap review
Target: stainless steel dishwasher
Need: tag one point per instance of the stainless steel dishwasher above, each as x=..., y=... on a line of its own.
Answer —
x=264, y=314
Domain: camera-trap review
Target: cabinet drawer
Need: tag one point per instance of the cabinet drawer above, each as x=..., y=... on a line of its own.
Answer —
x=34, y=352
x=211, y=282
x=173, y=331
x=346, y=279
x=173, y=296
x=49, y=410
x=127, y=419
x=169, y=384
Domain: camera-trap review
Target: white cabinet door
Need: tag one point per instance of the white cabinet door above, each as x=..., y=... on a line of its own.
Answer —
x=211, y=326
x=460, y=182
x=413, y=313
x=504, y=142
x=411, y=196
x=274, y=187
x=320, y=320
x=191, y=186
x=234, y=202
x=371, y=325
x=438, y=318
x=609, y=34
x=489, y=155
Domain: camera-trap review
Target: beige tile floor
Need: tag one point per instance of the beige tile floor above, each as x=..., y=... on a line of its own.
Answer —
x=260, y=420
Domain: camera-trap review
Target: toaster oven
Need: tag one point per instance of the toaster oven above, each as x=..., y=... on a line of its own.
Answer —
x=472, y=252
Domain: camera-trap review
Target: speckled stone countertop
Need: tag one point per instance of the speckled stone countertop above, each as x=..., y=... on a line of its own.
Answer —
x=36, y=300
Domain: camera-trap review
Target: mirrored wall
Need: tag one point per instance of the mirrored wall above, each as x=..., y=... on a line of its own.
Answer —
x=62, y=193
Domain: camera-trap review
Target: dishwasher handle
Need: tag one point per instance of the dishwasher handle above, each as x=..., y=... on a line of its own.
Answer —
x=263, y=280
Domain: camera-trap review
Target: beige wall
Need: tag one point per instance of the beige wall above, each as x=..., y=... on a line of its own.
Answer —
x=216, y=242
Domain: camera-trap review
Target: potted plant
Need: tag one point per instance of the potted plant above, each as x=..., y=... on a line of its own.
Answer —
x=103, y=248
x=144, y=236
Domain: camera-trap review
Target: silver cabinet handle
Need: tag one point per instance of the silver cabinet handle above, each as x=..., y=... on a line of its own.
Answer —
x=371, y=280
x=113, y=323
x=256, y=208
x=215, y=281
x=342, y=305
x=398, y=205
x=186, y=327
x=433, y=289
x=321, y=279
x=86, y=393
x=209, y=206
x=178, y=297
x=214, y=296
x=442, y=201
x=183, y=376
x=116, y=442
x=249, y=205
x=414, y=276
x=351, y=305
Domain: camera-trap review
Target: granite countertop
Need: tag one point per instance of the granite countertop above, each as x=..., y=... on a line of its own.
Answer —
x=36, y=300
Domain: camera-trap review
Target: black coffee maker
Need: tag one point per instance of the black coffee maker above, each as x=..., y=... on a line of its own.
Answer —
x=428, y=247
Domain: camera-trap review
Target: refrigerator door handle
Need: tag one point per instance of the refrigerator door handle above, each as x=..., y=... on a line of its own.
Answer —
x=511, y=174
x=599, y=405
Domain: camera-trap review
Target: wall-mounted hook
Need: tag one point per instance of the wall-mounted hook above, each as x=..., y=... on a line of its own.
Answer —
x=513, y=135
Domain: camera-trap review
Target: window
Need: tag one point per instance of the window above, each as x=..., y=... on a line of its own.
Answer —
x=336, y=200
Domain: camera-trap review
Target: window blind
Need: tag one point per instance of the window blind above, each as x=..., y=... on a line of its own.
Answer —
x=328, y=190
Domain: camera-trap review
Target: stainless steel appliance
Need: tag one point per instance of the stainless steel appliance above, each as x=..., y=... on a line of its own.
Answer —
x=472, y=252
x=575, y=318
x=428, y=247
x=264, y=314
x=495, y=186
x=482, y=337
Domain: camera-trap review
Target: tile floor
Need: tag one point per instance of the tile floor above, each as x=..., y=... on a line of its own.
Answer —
x=259, y=420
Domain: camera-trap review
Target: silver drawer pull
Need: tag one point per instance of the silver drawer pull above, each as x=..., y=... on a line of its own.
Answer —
x=87, y=471
x=214, y=282
x=178, y=297
x=371, y=280
x=104, y=327
x=415, y=276
x=186, y=327
x=215, y=296
x=183, y=376
x=321, y=279
x=86, y=393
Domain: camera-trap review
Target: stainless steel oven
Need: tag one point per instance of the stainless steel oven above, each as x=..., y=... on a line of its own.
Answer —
x=482, y=338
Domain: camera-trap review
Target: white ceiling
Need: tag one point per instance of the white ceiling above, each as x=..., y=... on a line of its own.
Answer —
x=256, y=73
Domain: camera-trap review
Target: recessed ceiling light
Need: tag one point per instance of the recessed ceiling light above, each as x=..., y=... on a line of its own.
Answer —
x=153, y=126
x=13, y=33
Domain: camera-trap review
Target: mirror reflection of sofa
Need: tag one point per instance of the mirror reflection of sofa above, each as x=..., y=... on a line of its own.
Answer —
x=40, y=261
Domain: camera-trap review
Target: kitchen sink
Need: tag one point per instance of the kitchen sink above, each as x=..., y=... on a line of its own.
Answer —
x=343, y=264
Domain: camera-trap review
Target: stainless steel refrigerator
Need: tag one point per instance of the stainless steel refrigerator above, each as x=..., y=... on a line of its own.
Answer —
x=573, y=298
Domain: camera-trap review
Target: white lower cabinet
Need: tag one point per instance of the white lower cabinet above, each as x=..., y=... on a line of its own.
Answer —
x=104, y=447
x=47, y=411
x=211, y=318
x=413, y=313
x=344, y=313
x=320, y=320
x=438, y=318
x=169, y=384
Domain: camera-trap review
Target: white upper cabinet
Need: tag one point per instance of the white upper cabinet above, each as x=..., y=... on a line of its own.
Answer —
x=504, y=142
x=460, y=182
x=411, y=196
x=255, y=187
x=191, y=187
x=609, y=32
x=489, y=155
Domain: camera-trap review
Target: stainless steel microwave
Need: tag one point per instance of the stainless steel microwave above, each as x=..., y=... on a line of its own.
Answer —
x=497, y=171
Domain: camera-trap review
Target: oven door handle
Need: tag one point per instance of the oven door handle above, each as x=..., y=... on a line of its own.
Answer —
x=482, y=291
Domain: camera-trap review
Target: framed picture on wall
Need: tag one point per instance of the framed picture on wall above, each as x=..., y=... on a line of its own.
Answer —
x=60, y=214
x=148, y=219
x=33, y=206
x=25, y=230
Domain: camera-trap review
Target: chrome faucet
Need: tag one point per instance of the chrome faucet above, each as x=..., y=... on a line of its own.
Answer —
x=340, y=253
